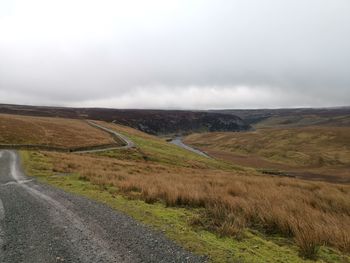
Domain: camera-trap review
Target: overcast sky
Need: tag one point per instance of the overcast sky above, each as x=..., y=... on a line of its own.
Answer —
x=184, y=54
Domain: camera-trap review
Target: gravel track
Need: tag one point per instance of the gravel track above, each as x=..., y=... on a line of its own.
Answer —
x=128, y=143
x=42, y=224
x=178, y=141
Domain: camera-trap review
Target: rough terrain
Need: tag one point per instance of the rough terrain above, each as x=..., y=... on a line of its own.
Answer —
x=39, y=223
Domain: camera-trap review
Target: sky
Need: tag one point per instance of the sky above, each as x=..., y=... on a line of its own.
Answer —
x=175, y=54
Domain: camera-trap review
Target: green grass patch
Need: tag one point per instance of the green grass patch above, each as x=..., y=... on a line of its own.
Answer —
x=156, y=150
x=175, y=223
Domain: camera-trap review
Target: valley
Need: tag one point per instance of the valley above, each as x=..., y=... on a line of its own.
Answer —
x=238, y=205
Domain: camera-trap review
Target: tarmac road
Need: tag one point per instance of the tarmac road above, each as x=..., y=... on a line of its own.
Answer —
x=42, y=224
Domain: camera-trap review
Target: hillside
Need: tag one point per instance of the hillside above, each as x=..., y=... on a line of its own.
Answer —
x=158, y=122
x=208, y=206
x=298, y=117
x=308, y=152
x=54, y=132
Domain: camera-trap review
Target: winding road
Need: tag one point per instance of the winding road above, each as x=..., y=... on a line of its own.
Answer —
x=178, y=141
x=127, y=142
x=42, y=224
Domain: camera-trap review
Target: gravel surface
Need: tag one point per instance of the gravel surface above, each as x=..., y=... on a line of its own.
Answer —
x=39, y=223
x=178, y=141
x=127, y=142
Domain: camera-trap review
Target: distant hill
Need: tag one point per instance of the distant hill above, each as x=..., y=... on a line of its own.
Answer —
x=160, y=122
x=298, y=117
x=314, y=153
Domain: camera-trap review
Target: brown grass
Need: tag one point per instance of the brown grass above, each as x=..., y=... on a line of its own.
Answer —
x=59, y=132
x=316, y=150
x=313, y=213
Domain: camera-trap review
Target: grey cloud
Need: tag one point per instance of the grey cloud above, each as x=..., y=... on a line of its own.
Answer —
x=113, y=54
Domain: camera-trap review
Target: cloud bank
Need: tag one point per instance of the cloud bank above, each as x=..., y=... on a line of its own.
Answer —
x=175, y=54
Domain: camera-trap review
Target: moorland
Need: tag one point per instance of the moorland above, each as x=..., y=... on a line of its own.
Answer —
x=227, y=209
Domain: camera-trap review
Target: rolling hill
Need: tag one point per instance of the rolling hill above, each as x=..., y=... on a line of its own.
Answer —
x=234, y=207
x=207, y=205
x=158, y=122
x=321, y=153
x=51, y=132
x=297, y=117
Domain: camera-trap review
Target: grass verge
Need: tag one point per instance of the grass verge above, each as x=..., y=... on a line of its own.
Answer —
x=177, y=223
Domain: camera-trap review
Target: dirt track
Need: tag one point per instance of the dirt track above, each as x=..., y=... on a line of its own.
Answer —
x=39, y=223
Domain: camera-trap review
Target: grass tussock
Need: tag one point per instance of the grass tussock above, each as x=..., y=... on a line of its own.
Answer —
x=312, y=213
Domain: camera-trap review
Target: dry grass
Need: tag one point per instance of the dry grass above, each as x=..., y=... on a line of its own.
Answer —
x=321, y=150
x=312, y=213
x=304, y=120
x=59, y=132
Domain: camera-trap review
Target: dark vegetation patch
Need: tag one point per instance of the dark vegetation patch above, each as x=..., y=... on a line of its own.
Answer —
x=151, y=121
